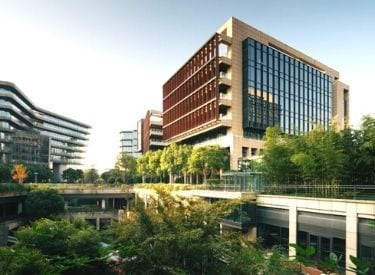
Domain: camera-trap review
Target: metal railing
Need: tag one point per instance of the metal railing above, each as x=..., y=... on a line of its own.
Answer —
x=356, y=192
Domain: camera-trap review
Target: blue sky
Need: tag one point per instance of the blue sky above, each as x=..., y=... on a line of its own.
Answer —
x=104, y=62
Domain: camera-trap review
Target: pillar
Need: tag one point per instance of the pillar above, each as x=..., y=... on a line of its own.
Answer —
x=103, y=203
x=351, y=234
x=19, y=208
x=97, y=223
x=292, y=226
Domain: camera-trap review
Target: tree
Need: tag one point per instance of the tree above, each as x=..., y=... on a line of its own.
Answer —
x=38, y=172
x=184, y=152
x=5, y=173
x=91, y=175
x=112, y=176
x=127, y=166
x=181, y=236
x=154, y=166
x=277, y=165
x=169, y=161
x=19, y=173
x=366, y=150
x=23, y=260
x=143, y=166
x=208, y=160
x=69, y=245
x=72, y=175
x=43, y=203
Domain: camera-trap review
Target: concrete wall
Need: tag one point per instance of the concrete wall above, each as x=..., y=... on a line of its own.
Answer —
x=352, y=210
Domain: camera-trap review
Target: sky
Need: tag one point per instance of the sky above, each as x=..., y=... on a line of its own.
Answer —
x=104, y=62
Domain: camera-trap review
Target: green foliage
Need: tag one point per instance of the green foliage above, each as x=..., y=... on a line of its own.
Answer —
x=72, y=175
x=91, y=175
x=277, y=164
x=322, y=157
x=330, y=263
x=69, y=245
x=23, y=260
x=361, y=267
x=44, y=174
x=126, y=166
x=43, y=202
x=303, y=255
x=5, y=173
x=12, y=187
x=181, y=236
x=208, y=160
x=170, y=162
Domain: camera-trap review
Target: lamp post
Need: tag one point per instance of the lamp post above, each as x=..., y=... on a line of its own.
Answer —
x=35, y=177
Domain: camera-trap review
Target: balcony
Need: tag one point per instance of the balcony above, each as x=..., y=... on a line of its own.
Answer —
x=224, y=63
x=155, y=142
x=225, y=39
x=156, y=132
x=224, y=83
x=225, y=101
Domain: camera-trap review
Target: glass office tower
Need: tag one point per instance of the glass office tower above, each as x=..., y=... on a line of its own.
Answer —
x=29, y=134
x=279, y=89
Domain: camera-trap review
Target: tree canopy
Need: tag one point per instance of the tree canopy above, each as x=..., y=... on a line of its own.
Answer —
x=43, y=203
x=321, y=156
x=181, y=236
x=72, y=175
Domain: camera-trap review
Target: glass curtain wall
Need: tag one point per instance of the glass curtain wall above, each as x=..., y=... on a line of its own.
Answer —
x=281, y=90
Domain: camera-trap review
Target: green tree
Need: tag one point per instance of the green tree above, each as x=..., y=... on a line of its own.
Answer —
x=38, y=172
x=154, y=166
x=127, y=166
x=143, y=166
x=184, y=152
x=43, y=203
x=72, y=175
x=208, y=160
x=181, y=236
x=366, y=150
x=91, y=175
x=70, y=245
x=23, y=260
x=277, y=165
x=5, y=173
x=169, y=161
x=319, y=156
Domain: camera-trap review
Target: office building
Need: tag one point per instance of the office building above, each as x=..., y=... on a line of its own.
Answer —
x=150, y=132
x=242, y=81
x=29, y=134
x=129, y=143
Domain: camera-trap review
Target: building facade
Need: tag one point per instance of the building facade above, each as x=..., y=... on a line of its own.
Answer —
x=242, y=81
x=29, y=134
x=129, y=143
x=152, y=131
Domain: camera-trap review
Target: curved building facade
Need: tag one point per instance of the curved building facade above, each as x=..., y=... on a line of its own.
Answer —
x=29, y=134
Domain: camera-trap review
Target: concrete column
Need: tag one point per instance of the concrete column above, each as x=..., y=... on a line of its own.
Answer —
x=19, y=208
x=98, y=223
x=103, y=203
x=127, y=205
x=292, y=226
x=351, y=234
x=65, y=205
